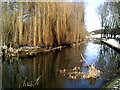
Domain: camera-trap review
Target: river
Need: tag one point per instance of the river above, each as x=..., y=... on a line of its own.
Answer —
x=47, y=66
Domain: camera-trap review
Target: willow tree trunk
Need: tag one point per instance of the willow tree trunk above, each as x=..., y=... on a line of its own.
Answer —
x=35, y=26
x=20, y=23
x=39, y=25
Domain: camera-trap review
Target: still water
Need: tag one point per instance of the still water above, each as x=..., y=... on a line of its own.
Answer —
x=47, y=66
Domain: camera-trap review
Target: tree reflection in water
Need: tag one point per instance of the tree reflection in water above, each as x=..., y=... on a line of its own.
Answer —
x=49, y=64
x=108, y=62
x=92, y=81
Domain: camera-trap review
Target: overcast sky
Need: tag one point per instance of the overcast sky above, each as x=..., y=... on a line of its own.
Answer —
x=91, y=19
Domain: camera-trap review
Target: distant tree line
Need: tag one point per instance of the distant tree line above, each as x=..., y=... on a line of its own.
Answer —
x=106, y=30
x=109, y=14
x=41, y=23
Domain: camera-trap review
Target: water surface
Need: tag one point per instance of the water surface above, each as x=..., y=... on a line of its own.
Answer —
x=47, y=65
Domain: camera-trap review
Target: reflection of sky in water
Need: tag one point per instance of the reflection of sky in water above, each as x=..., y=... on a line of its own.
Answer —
x=104, y=56
x=92, y=53
x=23, y=69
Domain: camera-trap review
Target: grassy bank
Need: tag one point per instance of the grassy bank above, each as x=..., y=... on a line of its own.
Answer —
x=113, y=84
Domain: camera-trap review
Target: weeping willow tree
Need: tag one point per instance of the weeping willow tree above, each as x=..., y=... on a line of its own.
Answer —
x=42, y=23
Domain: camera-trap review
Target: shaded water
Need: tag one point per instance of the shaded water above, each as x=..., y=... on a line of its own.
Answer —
x=48, y=65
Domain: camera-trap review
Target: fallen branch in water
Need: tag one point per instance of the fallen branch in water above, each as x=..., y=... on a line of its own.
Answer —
x=93, y=72
x=75, y=72
x=84, y=60
x=31, y=84
x=24, y=51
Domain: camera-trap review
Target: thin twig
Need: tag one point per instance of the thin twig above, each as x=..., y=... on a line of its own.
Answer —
x=25, y=82
x=85, y=60
x=37, y=80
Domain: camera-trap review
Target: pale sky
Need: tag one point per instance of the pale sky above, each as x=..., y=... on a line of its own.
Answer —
x=91, y=17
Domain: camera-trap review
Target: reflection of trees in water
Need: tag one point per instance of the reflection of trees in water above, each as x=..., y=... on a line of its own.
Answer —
x=46, y=65
x=92, y=81
x=108, y=60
